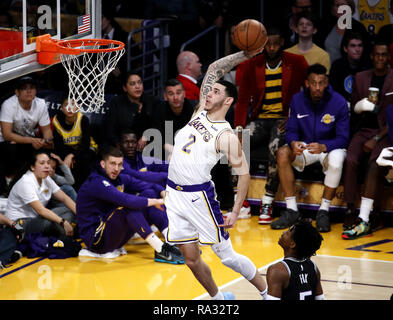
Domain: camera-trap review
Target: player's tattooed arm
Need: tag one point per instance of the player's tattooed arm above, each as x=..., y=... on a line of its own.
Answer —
x=217, y=70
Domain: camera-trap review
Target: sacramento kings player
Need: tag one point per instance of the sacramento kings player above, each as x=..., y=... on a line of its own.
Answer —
x=296, y=277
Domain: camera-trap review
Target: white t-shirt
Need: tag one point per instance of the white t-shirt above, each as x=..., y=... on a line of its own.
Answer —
x=24, y=121
x=27, y=190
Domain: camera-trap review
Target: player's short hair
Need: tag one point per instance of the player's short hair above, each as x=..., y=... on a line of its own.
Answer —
x=111, y=151
x=307, y=238
x=316, y=68
x=230, y=89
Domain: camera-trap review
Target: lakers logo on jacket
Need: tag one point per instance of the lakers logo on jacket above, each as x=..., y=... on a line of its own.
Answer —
x=327, y=118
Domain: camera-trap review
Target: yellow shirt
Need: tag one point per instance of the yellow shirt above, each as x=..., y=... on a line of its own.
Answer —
x=315, y=55
x=73, y=137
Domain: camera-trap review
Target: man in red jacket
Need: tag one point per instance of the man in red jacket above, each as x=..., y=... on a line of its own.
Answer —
x=189, y=69
x=267, y=83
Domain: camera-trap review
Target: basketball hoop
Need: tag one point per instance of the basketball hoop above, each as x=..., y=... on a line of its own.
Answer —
x=88, y=63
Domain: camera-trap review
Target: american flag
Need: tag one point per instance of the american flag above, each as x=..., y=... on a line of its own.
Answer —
x=83, y=23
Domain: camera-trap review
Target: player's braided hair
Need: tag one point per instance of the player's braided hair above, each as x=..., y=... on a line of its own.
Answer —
x=307, y=238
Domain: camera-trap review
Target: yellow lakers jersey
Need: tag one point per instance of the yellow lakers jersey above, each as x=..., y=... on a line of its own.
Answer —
x=73, y=137
x=374, y=14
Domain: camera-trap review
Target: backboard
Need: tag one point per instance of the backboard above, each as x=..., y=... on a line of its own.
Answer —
x=21, y=21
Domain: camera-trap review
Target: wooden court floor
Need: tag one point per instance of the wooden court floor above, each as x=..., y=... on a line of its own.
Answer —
x=360, y=269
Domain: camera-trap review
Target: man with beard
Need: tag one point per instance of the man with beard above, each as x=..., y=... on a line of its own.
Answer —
x=317, y=131
x=267, y=82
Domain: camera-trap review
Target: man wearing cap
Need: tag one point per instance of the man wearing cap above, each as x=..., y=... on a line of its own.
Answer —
x=370, y=136
x=20, y=116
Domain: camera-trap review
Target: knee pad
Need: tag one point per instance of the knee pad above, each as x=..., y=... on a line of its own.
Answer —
x=233, y=260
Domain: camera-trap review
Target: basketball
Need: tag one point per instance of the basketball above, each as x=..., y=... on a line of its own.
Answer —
x=249, y=35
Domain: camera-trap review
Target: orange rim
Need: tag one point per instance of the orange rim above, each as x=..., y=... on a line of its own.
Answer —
x=49, y=50
x=71, y=46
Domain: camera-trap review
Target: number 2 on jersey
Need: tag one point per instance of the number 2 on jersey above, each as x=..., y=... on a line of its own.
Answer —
x=192, y=141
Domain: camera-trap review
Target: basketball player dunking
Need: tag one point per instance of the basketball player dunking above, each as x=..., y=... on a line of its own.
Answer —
x=193, y=212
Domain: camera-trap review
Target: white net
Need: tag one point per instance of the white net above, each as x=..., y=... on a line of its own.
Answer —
x=87, y=75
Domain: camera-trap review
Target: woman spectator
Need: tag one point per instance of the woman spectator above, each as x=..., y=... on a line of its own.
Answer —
x=131, y=110
x=30, y=195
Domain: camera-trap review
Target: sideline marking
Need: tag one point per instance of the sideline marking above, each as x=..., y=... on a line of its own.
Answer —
x=21, y=267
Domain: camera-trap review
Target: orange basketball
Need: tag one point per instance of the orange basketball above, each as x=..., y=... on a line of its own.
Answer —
x=249, y=35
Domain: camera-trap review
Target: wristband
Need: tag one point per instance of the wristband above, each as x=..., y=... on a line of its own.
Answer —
x=62, y=222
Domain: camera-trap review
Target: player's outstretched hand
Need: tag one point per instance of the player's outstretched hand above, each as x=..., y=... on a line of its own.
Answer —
x=158, y=203
x=255, y=52
x=230, y=221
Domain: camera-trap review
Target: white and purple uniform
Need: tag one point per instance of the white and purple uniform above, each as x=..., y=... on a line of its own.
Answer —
x=193, y=211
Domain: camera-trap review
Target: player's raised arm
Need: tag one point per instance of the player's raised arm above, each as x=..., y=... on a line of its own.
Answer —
x=229, y=144
x=217, y=70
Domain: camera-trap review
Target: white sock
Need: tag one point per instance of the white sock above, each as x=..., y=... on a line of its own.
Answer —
x=264, y=294
x=291, y=203
x=218, y=296
x=325, y=204
x=365, y=208
x=267, y=199
x=165, y=233
x=154, y=241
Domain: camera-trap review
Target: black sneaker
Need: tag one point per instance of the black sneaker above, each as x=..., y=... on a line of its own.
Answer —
x=323, y=221
x=349, y=219
x=376, y=221
x=169, y=254
x=288, y=218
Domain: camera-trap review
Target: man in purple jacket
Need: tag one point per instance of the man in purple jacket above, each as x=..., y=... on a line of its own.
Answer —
x=317, y=131
x=109, y=213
